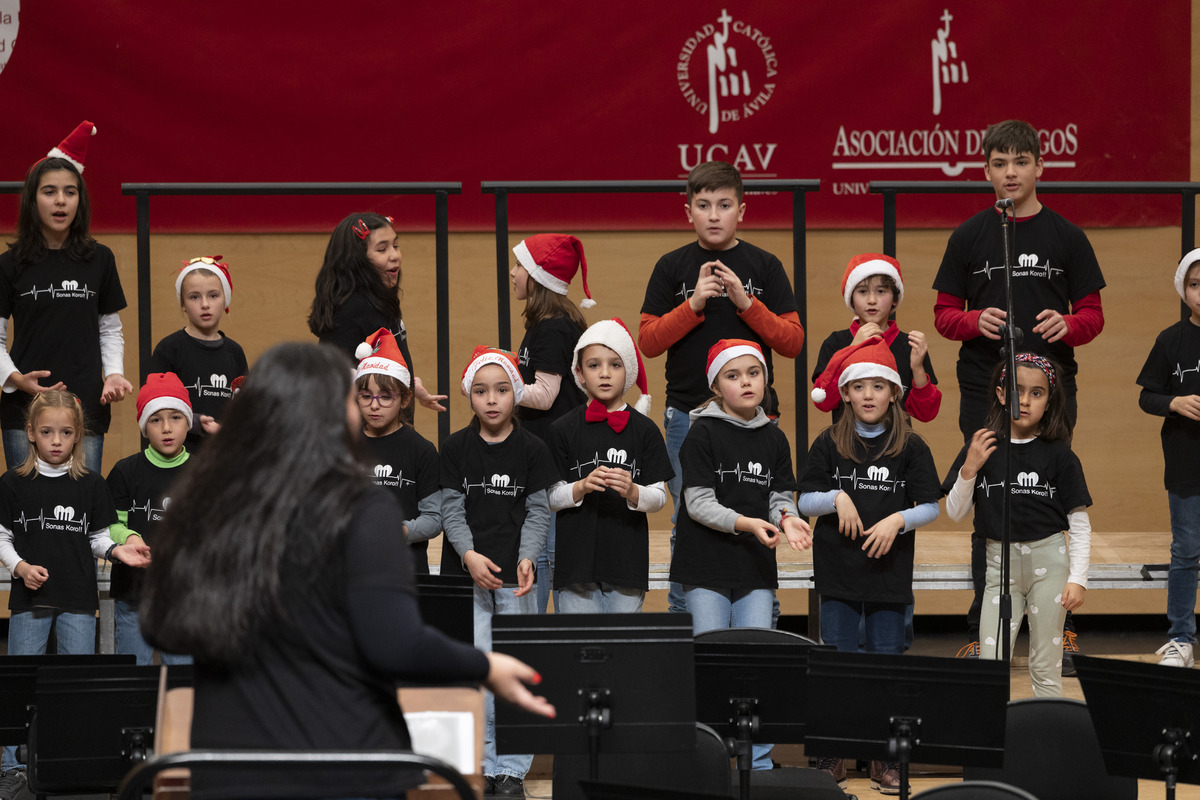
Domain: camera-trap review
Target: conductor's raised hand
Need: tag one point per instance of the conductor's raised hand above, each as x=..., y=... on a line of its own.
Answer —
x=509, y=680
x=483, y=570
x=431, y=401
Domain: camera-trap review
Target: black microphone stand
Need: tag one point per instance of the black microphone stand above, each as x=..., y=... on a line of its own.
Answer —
x=1010, y=337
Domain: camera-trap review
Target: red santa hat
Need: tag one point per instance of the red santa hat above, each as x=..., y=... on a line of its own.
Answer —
x=380, y=355
x=726, y=350
x=494, y=355
x=552, y=259
x=613, y=334
x=162, y=390
x=864, y=266
x=214, y=265
x=1185, y=264
x=870, y=359
x=74, y=147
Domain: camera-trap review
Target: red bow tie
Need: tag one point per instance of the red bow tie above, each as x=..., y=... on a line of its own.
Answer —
x=596, y=412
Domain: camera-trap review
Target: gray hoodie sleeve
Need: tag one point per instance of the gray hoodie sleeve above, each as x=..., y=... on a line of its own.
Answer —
x=428, y=522
x=536, y=528
x=780, y=502
x=454, y=521
x=703, y=507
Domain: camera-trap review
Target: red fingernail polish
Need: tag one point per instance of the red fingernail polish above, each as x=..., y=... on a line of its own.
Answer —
x=537, y=677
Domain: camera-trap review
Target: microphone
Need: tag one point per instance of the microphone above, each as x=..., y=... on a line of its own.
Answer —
x=1003, y=204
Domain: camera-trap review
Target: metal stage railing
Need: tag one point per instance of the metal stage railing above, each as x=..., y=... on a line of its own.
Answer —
x=798, y=190
x=441, y=191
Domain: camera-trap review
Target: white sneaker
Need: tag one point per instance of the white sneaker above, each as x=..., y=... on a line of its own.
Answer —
x=1176, y=654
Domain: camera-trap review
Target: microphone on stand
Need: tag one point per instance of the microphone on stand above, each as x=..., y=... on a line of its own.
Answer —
x=1003, y=204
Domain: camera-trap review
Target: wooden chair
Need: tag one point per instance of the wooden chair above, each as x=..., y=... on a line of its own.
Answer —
x=174, y=725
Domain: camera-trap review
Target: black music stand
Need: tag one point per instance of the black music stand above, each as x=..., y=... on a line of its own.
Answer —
x=622, y=683
x=90, y=725
x=1147, y=718
x=905, y=708
x=447, y=602
x=751, y=686
x=18, y=684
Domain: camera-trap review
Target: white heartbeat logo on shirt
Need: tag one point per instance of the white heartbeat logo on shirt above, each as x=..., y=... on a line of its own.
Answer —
x=749, y=287
x=67, y=288
x=1180, y=371
x=752, y=469
x=616, y=458
x=875, y=475
x=1023, y=479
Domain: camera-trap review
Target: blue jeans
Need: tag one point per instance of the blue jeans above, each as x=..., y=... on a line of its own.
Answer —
x=28, y=634
x=487, y=603
x=884, y=625
x=1185, y=553
x=545, y=572
x=733, y=608
x=676, y=424
x=16, y=448
x=130, y=641
x=598, y=598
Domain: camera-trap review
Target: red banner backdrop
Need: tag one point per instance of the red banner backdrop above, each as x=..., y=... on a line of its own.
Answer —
x=465, y=91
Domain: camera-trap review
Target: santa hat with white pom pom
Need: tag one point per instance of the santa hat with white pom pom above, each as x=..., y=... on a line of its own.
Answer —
x=870, y=359
x=552, y=259
x=74, y=147
x=613, y=334
x=380, y=355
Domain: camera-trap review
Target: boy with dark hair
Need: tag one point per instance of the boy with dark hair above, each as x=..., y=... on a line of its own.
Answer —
x=1056, y=298
x=717, y=287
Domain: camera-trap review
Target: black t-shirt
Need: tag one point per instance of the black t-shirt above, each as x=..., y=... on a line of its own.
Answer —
x=1054, y=267
x=742, y=466
x=1049, y=484
x=307, y=683
x=549, y=347
x=673, y=281
x=56, y=305
x=495, y=478
x=1173, y=368
x=901, y=351
x=206, y=368
x=879, y=485
x=51, y=518
x=141, y=489
x=603, y=540
x=406, y=464
x=355, y=320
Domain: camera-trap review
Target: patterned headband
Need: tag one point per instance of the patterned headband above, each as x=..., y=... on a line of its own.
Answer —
x=1030, y=359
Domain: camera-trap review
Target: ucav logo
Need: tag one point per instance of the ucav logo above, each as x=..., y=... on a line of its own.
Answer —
x=70, y=285
x=877, y=473
x=501, y=481
x=64, y=513
x=754, y=468
x=218, y=381
x=1027, y=259
x=383, y=470
x=1027, y=479
x=617, y=456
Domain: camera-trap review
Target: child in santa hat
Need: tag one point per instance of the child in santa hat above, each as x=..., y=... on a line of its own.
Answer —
x=612, y=467
x=737, y=501
x=871, y=481
x=205, y=359
x=401, y=460
x=873, y=288
x=62, y=290
x=140, y=486
x=495, y=477
x=546, y=265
